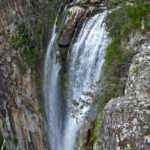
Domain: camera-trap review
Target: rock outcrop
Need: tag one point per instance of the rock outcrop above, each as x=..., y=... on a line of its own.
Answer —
x=21, y=119
x=21, y=122
x=126, y=120
x=77, y=13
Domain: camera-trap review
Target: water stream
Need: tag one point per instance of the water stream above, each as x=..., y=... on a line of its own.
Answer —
x=53, y=101
x=85, y=60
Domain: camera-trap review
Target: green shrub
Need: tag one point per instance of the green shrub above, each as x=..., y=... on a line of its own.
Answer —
x=28, y=46
x=95, y=130
x=25, y=42
x=127, y=19
x=137, y=12
x=114, y=54
x=120, y=23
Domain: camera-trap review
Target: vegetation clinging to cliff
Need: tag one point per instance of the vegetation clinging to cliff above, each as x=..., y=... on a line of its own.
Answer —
x=28, y=46
x=128, y=18
x=120, y=24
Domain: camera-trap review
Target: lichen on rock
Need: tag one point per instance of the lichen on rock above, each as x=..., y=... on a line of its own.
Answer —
x=126, y=120
x=21, y=119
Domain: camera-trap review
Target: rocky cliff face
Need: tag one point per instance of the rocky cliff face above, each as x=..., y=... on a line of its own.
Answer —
x=21, y=120
x=126, y=120
x=77, y=12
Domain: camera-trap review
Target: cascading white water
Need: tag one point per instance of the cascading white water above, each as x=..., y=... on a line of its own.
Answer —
x=85, y=64
x=52, y=94
x=84, y=69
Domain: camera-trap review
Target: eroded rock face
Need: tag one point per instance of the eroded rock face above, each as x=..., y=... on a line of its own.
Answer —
x=21, y=121
x=126, y=120
x=77, y=13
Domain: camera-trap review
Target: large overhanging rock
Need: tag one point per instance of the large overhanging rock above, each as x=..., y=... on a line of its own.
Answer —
x=126, y=120
x=76, y=15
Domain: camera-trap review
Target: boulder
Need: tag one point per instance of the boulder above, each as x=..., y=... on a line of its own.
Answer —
x=126, y=120
x=76, y=15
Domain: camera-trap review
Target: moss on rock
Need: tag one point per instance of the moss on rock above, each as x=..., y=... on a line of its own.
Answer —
x=120, y=24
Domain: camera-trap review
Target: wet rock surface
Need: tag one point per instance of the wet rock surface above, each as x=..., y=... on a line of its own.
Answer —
x=21, y=123
x=77, y=13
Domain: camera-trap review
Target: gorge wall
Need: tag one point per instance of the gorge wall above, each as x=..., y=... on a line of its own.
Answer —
x=126, y=120
x=22, y=42
x=122, y=121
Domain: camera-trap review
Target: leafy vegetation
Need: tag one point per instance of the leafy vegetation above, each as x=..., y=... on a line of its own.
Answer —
x=27, y=43
x=96, y=127
x=28, y=46
x=120, y=23
x=128, y=18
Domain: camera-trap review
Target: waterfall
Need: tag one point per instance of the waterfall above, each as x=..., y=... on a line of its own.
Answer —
x=85, y=60
x=85, y=64
x=53, y=101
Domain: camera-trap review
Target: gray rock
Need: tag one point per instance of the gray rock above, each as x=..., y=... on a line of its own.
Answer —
x=126, y=120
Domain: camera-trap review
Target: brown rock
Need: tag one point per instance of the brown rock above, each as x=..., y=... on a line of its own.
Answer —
x=78, y=14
